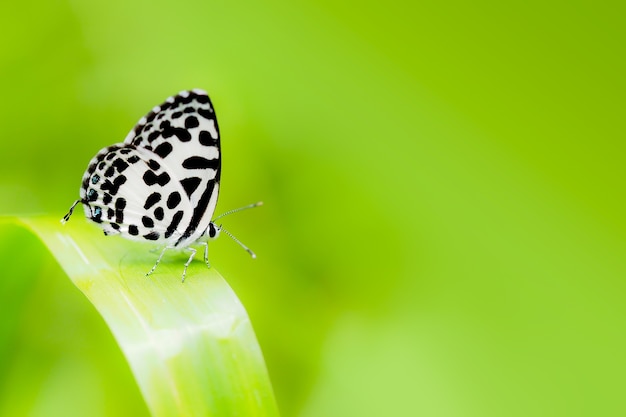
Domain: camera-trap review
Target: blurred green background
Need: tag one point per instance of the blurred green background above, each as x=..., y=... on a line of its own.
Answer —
x=443, y=233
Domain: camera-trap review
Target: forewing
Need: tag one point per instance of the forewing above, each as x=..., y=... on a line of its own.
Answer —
x=184, y=134
x=129, y=192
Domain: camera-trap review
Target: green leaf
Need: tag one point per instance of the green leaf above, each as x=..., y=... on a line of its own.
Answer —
x=190, y=346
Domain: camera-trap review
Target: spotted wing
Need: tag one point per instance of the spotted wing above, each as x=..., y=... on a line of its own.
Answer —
x=183, y=133
x=128, y=192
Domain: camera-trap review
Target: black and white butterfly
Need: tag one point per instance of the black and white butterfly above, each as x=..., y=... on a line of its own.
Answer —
x=161, y=184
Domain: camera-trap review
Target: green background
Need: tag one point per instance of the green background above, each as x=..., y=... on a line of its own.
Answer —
x=443, y=231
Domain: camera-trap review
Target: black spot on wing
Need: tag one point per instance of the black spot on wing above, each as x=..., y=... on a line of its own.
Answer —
x=173, y=200
x=92, y=195
x=147, y=221
x=202, y=98
x=168, y=133
x=191, y=122
x=182, y=134
x=198, y=162
x=163, y=149
x=120, y=205
x=190, y=184
x=150, y=117
x=96, y=215
x=152, y=200
x=159, y=213
x=113, y=187
x=154, y=135
x=132, y=229
x=206, y=139
x=176, y=218
x=120, y=165
x=152, y=236
x=206, y=113
x=154, y=164
x=150, y=178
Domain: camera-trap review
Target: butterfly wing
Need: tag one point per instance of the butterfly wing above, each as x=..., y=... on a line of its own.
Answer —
x=128, y=192
x=172, y=155
x=184, y=133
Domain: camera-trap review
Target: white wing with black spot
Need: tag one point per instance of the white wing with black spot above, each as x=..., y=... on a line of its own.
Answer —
x=172, y=153
x=152, y=208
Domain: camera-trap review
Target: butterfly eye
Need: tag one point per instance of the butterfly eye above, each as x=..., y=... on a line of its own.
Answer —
x=212, y=231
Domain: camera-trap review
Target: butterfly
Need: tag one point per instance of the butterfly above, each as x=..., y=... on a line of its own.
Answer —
x=161, y=184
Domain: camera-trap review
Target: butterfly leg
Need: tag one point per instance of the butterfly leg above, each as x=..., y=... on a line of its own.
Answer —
x=158, y=260
x=206, y=253
x=193, y=253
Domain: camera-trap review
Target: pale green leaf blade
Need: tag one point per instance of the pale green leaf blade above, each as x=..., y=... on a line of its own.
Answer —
x=190, y=345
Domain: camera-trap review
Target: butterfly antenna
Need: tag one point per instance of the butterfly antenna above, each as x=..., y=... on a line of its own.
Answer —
x=249, y=206
x=237, y=240
x=69, y=213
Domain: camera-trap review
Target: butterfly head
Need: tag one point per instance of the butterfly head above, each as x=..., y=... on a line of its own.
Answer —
x=213, y=231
